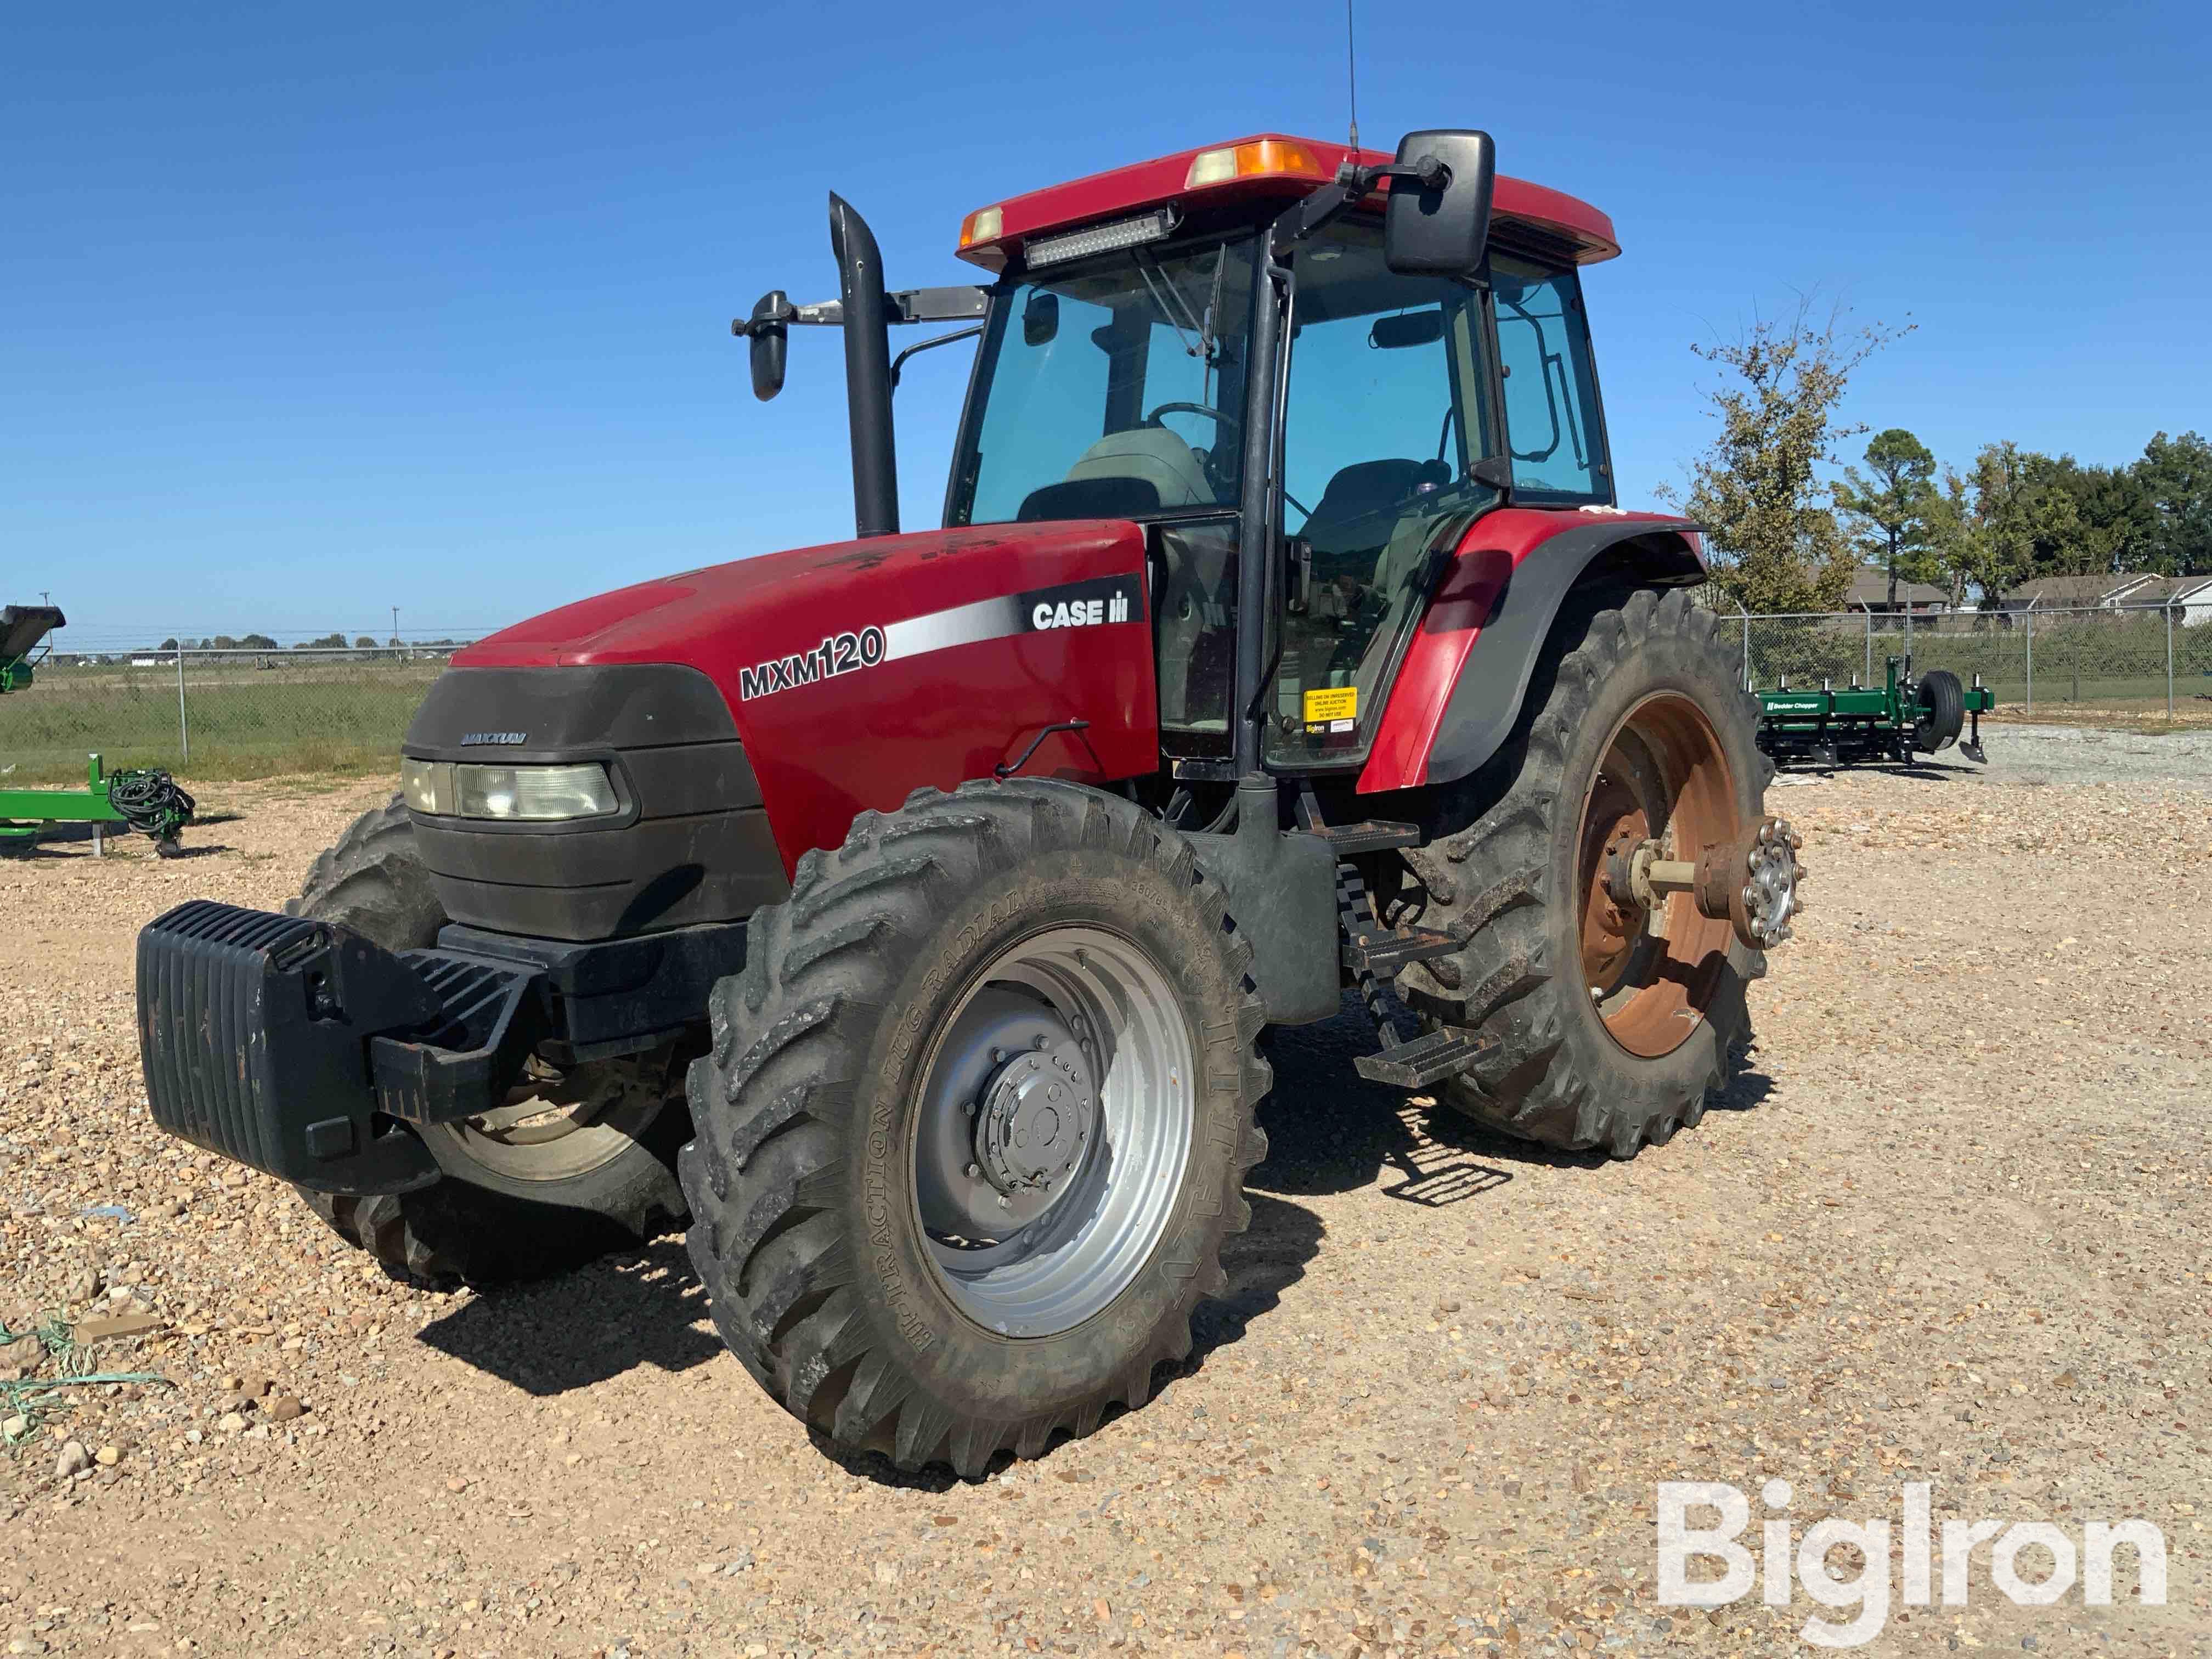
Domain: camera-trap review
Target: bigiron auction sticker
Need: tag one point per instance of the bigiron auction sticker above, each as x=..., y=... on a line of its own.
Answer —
x=1332, y=709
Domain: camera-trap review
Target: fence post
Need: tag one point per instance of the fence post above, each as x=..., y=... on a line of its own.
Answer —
x=1746, y=615
x=1869, y=680
x=2169, y=662
x=184, y=726
x=2030, y=614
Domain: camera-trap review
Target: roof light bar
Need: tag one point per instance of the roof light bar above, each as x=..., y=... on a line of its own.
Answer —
x=1261, y=157
x=1100, y=239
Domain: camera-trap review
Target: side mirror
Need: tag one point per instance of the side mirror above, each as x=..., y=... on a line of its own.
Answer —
x=1407, y=328
x=1039, y=317
x=1438, y=229
x=770, y=338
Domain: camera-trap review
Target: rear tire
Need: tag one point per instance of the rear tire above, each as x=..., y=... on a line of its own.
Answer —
x=816, y=1181
x=1634, y=714
x=519, y=1201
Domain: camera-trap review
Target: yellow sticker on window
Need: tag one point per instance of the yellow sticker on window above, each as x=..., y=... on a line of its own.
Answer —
x=1331, y=703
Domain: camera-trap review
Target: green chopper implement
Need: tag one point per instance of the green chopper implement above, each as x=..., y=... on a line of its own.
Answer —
x=1903, y=717
x=146, y=800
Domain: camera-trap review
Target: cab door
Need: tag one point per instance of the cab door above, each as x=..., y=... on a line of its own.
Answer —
x=1386, y=410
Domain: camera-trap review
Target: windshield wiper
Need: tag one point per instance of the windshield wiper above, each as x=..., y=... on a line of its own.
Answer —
x=1170, y=302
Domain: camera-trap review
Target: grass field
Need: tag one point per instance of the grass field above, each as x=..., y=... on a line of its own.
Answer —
x=239, y=722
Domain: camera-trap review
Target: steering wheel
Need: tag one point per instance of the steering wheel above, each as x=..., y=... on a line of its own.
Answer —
x=1206, y=410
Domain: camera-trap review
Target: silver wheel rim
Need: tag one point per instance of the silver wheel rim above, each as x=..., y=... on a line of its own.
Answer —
x=555, y=1127
x=1080, y=1220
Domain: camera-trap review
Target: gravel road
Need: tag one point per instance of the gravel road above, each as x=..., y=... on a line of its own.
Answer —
x=1950, y=1226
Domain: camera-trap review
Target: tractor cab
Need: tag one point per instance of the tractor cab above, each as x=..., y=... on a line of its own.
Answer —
x=1114, y=381
x=1220, y=347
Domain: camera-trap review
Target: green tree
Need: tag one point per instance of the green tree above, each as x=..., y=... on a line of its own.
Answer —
x=2019, y=520
x=260, y=642
x=1757, y=489
x=2175, y=474
x=1889, y=510
x=364, y=643
x=2120, y=521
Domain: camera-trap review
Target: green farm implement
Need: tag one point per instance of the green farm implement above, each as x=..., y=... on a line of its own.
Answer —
x=148, y=801
x=1903, y=717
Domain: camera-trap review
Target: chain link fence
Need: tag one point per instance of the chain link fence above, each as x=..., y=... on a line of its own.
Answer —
x=221, y=714
x=247, y=713
x=2127, y=663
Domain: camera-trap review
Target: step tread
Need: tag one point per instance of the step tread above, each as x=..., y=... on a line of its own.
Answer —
x=1426, y=1059
x=1384, y=950
x=1369, y=836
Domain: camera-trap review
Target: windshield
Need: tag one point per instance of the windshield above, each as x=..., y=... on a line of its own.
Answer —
x=1111, y=388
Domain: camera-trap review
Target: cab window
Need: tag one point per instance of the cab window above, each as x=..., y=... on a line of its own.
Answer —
x=1550, y=396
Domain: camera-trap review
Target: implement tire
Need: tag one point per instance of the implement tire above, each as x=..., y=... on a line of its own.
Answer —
x=1635, y=723
x=529, y=1197
x=850, y=1106
x=1941, y=701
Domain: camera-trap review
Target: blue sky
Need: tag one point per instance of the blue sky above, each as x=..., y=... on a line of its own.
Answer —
x=309, y=311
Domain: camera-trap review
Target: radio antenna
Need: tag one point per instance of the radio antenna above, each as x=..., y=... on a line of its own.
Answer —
x=1351, y=74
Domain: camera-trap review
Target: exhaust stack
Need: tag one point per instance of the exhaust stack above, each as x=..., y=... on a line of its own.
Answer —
x=867, y=371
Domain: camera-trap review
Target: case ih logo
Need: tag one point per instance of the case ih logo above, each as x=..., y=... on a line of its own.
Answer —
x=1080, y=613
x=1095, y=602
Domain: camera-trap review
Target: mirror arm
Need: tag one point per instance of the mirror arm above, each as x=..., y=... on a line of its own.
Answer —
x=914, y=305
x=899, y=361
x=939, y=305
x=826, y=313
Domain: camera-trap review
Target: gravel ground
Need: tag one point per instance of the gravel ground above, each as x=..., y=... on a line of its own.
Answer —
x=1950, y=1226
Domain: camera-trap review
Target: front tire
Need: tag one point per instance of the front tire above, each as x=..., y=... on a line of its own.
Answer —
x=906, y=1234
x=572, y=1167
x=1636, y=726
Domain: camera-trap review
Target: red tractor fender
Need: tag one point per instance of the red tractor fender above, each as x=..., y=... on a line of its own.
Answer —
x=1465, y=671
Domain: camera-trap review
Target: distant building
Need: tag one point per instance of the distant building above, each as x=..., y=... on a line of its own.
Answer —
x=2189, y=597
x=2103, y=591
x=1870, y=591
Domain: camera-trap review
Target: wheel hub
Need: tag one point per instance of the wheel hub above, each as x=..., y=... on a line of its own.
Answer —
x=1036, y=1115
x=1011, y=1108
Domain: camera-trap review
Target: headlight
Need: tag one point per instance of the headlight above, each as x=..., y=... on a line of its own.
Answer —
x=527, y=794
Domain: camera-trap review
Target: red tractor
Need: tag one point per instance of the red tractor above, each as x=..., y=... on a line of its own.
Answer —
x=907, y=912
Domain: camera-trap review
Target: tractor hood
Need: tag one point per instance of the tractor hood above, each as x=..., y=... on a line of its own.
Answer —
x=860, y=671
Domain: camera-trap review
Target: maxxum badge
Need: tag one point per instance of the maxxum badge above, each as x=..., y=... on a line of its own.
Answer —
x=1096, y=602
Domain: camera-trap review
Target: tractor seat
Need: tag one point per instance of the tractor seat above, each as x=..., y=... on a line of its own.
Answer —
x=1145, y=469
x=1358, y=511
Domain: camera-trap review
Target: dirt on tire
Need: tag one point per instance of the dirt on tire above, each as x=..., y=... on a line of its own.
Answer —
x=1504, y=873
x=805, y=1237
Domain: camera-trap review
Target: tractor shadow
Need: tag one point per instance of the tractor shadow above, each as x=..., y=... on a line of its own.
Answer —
x=1329, y=1130
x=640, y=1308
